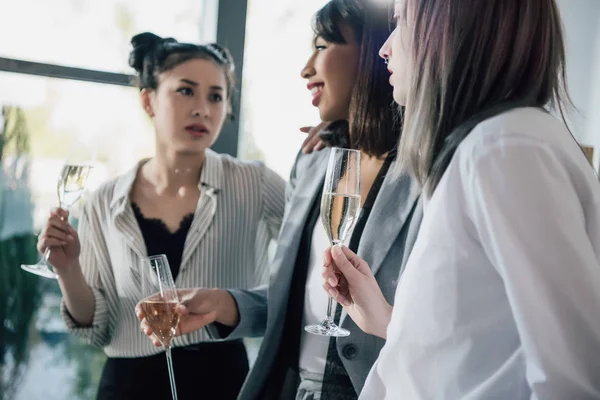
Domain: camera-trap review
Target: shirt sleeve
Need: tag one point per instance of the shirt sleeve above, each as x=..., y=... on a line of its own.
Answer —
x=531, y=219
x=92, y=241
x=273, y=201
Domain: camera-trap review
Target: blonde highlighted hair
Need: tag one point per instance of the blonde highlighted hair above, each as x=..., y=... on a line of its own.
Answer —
x=470, y=56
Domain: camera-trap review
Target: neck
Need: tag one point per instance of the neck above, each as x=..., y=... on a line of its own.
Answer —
x=372, y=159
x=170, y=171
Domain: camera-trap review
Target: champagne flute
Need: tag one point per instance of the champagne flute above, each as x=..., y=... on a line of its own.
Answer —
x=70, y=186
x=340, y=206
x=159, y=302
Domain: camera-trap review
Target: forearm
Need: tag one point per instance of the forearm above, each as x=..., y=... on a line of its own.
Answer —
x=77, y=296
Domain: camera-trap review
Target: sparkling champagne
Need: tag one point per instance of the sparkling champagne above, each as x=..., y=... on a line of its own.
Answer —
x=162, y=318
x=339, y=213
x=72, y=183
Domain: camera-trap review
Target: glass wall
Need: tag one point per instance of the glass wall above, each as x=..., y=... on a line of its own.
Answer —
x=41, y=118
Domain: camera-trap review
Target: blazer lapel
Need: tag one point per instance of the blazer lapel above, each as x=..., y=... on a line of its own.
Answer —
x=306, y=190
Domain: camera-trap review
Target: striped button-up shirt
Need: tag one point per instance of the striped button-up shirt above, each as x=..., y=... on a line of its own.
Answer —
x=239, y=211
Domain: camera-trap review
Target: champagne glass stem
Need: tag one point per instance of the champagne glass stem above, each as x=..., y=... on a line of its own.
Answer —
x=329, y=317
x=171, y=373
x=46, y=255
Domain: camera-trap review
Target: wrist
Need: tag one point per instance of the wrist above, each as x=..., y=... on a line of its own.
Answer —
x=383, y=320
x=226, y=310
x=69, y=272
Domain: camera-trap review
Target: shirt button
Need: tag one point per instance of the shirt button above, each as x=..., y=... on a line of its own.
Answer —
x=349, y=351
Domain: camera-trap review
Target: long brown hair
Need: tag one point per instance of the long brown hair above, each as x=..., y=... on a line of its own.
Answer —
x=469, y=56
x=373, y=114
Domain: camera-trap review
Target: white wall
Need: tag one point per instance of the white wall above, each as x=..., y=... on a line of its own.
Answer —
x=581, y=19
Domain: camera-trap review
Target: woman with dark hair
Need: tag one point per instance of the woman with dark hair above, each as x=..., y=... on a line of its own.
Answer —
x=212, y=215
x=500, y=296
x=350, y=87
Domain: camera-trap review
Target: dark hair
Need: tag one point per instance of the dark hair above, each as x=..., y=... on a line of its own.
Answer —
x=470, y=57
x=153, y=55
x=373, y=121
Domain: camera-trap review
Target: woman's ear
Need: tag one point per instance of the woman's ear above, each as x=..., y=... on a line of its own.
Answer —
x=145, y=97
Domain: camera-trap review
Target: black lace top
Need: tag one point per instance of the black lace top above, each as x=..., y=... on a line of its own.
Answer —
x=160, y=240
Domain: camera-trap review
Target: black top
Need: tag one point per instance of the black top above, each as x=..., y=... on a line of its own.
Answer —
x=160, y=240
x=211, y=370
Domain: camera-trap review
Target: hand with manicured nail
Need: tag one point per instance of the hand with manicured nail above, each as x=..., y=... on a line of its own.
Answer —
x=313, y=142
x=197, y=308
x=63, y=240
x=349, y=280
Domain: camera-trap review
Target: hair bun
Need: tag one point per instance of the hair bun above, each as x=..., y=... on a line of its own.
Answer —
x=143, y=44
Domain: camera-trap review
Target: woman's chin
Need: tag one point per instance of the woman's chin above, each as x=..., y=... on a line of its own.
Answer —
x=399, y=96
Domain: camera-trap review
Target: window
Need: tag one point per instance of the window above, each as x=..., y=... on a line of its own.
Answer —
x=276, y=102
x=95, y=34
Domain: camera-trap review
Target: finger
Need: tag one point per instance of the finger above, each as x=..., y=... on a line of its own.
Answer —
x=57, y=223
x=193, y=322
x=53, y=233
x=337, y=295
x=327, y=257
x=358, y=263
x=60, y=213
x=346, y=262
x=139, y=312
x=49, y=242
x=145, y=327
x=181, y=309
x=306, y=129
x=330, y=276
x=320, y=146
x=309, y=144
x=155, y=341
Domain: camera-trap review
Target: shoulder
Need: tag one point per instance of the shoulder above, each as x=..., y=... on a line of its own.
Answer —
x=103, y=196
x=244, y=175
x=110, y=193
x=517, y=133
x=306, y=161
x=233, y=168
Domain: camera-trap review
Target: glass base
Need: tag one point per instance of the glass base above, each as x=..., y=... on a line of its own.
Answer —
x=327, y=328
x=40, y=269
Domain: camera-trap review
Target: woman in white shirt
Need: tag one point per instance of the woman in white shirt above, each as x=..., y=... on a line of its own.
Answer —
x=500, y=297
x=212, y=215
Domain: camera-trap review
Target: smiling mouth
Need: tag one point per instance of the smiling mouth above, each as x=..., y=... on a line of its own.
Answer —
x=316, y=92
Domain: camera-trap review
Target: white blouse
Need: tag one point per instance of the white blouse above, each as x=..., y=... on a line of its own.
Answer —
x=239, y=211
x=500, y=298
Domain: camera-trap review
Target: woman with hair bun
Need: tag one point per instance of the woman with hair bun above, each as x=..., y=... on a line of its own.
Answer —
x=212, y=215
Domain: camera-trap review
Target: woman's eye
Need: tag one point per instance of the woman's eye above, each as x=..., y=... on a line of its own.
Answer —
x=186, y=91
x=217, y=98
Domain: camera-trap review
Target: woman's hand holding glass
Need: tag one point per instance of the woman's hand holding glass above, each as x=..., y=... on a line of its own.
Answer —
x=197, y=308
x=59, y=235
x=349, y=280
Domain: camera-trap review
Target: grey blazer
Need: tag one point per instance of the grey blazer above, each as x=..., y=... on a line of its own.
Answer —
x=387, y=239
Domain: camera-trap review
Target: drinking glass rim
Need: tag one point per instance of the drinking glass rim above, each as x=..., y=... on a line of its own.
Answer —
x=156, y=257
x=345, y=149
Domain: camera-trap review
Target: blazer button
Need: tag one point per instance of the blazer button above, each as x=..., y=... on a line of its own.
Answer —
x=349, y=351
